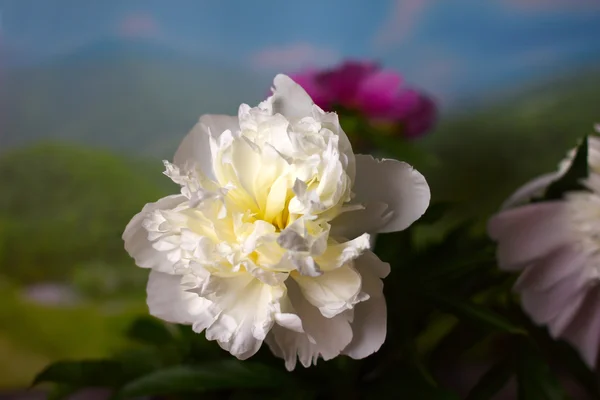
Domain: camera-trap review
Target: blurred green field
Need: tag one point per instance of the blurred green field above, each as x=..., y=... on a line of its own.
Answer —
x=63, y=207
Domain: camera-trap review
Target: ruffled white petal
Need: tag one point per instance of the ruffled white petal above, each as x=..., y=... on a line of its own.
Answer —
x=394, y=183
x=136, y=240
x=369, y=327
x=323, y=337
x=244, y=310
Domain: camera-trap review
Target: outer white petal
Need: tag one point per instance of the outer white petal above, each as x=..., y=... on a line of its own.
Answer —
x=168, y=299
x=324, y=337
x=527, y=233
x=136, y=240
x=369, y=326
x=395, y=183
x=352, y=224
x=290, y=99
x=195, y=147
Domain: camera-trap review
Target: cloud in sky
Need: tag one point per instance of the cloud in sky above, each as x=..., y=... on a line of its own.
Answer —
x=552, y=5
x=400, y=23
x=138, y=25
x=294, y=56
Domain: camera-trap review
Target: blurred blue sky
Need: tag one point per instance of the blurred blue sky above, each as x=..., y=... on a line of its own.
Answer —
x=450, y=47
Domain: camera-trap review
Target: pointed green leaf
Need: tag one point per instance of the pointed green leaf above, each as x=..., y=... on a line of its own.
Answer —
x=100, y=373
x=494, y=380
x=571, y=180
x=61, y=392
x=228, y=374
x=476, y=314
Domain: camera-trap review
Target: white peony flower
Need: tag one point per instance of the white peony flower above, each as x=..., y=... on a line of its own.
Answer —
x=269, y=238
x=556, y=245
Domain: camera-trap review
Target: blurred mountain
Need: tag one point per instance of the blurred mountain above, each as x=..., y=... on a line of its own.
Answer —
x=487, y=151
x=63, y=209
x=134, y=96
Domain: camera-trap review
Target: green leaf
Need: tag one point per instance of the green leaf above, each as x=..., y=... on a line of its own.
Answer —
x=100, y=373
x=62, y=392
x=492, y=381
x=475, y=313
x=149, y=330
x=535, y=379
x=228, y=374
x=571, y=180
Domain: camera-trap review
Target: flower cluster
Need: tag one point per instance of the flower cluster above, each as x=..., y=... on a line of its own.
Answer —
x=376, y=93
x=556, y=245
x=268, y=240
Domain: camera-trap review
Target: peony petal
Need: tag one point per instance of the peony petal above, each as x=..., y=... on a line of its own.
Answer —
x=584, y=331
x=354, y=223
x=551, y=269
x=136, y=240
x=195, y=147
x=290, y=99
x=395, y=183
x=334, y=291
x=531, y=189
x=369, y=326
x=558, y=324
x=529, y=232
x=245, y=307
x=169, y=301
x=543, y=306
x=325, y=337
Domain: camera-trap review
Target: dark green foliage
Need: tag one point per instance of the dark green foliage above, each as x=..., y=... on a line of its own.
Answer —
x=572, y=179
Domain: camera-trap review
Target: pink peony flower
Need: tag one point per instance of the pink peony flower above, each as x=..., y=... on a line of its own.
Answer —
x=556, y=246
x=377, y=93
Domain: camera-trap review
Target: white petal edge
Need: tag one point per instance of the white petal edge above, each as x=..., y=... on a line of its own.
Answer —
x=168, y=300
x=394, y=183
x=369, y=327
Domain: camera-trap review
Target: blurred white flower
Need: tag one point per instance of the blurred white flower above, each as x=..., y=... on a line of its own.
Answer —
x=556, y=245
x=269, y=238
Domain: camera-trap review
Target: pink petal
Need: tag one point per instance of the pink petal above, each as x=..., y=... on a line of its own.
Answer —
x=543, y=306
x=527, y=233
x=377, y=94
x=344, y=81
x=584, y=331
x=551, y=269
